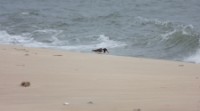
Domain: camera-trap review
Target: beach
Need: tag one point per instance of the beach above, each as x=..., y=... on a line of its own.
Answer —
x=69, y=81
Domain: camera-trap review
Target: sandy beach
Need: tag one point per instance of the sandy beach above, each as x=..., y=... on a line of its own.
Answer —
x=66, y=81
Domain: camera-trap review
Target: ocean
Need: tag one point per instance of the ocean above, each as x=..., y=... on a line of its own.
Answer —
x=157, y=29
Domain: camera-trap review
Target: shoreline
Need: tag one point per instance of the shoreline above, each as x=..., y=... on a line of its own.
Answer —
x=88, y=53
x=71, y=81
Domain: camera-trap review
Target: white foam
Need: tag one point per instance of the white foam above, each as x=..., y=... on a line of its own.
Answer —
x=187, y=30
x=152, y=21
x=24, y=39
x=51, y=31
x=102, y=41
x=194, y=58
x=183, y=29
x=25, y=13
x=6, y=38
x=168, y=34
x=106, y=42
x=52, y=35
x=29, y=40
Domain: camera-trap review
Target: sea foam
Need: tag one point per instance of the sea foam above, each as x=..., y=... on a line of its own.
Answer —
x=35, y=39
x=100, y=42
x=195, y=58
x=13, y=39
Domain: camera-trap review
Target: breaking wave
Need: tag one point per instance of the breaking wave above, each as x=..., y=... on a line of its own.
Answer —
x=50, y=39
x=143, y=37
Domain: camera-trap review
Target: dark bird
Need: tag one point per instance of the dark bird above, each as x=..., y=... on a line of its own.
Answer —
x=101, y=50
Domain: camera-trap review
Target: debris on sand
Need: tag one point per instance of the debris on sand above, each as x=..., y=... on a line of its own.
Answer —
x=25, y=84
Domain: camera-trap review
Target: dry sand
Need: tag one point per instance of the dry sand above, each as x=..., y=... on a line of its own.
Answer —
x=64, y=81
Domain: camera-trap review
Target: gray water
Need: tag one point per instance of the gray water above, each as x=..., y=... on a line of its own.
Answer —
x=159, y=29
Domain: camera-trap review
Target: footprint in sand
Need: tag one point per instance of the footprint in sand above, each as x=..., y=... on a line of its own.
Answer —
x=26, y=54
x=20, y=65
x=25, y=50
x=137, y=109
x=90, y=102
x=181, y=65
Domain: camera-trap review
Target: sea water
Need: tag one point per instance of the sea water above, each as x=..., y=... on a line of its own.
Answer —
x=159, y=29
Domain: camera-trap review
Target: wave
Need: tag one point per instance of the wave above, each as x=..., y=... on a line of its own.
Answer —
x=172, y=40
x=6, y=38
x=145, y=21
x=50, y=39
x=100, y=42
x=105, y=41
x=182, y=31
x=194, y=58
x=156, y=39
